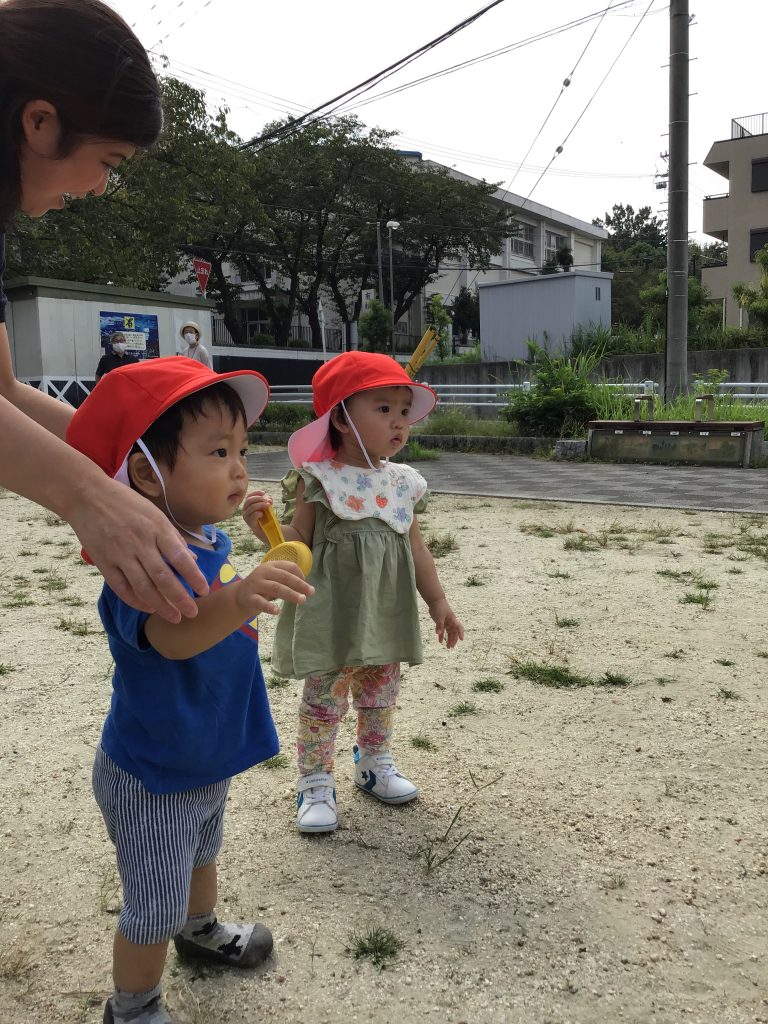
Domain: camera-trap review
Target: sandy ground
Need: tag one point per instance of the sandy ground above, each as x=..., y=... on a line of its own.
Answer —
x=613, y=865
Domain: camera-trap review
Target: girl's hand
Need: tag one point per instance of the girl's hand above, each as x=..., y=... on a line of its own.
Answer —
x=253, y=506
x=271, y=582
x=447, y=625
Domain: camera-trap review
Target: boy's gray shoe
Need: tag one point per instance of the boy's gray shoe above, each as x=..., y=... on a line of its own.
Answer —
x=154, y=1012
x=257, y=948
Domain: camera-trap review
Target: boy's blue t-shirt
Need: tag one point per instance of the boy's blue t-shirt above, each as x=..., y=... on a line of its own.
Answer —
x=177, y=725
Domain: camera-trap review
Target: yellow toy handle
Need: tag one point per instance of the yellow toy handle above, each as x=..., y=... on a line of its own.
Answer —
x=421, y=353
x=281, y=549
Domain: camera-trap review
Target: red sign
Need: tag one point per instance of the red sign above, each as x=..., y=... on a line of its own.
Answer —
x=203, y=271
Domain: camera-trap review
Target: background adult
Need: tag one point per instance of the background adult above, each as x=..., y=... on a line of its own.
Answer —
x=77, y=98
x=118, y=356
x=191, y=335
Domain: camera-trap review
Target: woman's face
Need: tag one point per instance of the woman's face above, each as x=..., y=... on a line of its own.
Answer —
x=47, y=179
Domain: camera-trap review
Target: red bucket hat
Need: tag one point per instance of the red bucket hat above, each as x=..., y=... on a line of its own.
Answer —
x=341, y=377
x=128, y=400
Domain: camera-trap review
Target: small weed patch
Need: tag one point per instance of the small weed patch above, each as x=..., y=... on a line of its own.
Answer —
x=474, y=581
x=276, y=683
x=464, y=707
x=724, y=693
x=565, y=622
x=441, y=544
x=560, y=677
x=422, y=742
x=278, y=761
x=487, y=686
x=77, y=627
x=701, y=598
x=379, y=945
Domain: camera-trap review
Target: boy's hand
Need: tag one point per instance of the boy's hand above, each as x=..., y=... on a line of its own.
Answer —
x=271, y=582
x=447, y=625
x=253, y=506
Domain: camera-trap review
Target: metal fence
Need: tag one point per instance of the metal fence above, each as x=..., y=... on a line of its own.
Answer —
x=490, y=396
x=753, y=124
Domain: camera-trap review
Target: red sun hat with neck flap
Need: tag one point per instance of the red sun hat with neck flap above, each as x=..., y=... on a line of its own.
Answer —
x=128, y=400
x=342, y=377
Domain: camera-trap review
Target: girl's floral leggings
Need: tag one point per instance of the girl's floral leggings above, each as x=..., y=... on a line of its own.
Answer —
x=325, y=701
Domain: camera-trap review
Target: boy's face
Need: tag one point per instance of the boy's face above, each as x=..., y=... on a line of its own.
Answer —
x=210, y=477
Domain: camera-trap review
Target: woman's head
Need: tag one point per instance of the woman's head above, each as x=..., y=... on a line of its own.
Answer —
x=118, y=342
x=77, y=96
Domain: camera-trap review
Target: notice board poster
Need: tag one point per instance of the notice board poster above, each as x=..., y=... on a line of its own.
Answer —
x=142, y=336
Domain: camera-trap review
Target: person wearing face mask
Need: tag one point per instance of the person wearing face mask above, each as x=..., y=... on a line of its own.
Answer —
x=118, y=356
x=190, y=333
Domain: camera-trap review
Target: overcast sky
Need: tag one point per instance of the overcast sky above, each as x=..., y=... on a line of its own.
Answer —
x=265, y=60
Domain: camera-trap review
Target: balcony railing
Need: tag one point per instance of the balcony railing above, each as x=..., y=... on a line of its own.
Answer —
x=744, y=127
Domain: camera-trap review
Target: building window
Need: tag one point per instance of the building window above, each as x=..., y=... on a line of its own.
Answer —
x=554, y=243
x=760, y=175
x=522, y=241
x=757, y=239
x=597, y=294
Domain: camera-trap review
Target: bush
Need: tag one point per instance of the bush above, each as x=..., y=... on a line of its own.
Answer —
x=284, y=416
x=261, y=341
x=299, y=343
x=561, y=400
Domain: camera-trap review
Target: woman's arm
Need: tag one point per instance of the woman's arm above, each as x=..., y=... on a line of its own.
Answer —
x=47, y=411
x=131, y=542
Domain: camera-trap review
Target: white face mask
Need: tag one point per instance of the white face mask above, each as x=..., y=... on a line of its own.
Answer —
x=190, y=337
x=118, y=347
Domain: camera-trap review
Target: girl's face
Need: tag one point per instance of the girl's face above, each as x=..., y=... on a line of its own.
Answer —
x=47, y=179
x=382, y=418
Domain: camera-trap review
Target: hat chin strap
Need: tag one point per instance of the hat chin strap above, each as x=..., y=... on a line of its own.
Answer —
x=376, y=469
x=159, y=475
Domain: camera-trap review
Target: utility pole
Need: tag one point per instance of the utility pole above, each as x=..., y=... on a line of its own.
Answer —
x=378, y=250
x=676, y=368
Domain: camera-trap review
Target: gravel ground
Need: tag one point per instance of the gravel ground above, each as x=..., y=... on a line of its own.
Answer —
x=579, y=855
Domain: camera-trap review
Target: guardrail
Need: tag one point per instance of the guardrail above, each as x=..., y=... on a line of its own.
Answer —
x=758, y=390
x=492, y=396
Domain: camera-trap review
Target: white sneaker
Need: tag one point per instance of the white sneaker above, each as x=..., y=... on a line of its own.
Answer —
x=377, y=775
x=316, y=803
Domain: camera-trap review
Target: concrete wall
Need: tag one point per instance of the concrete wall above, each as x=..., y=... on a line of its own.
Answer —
x=546, y=309
x=743, y=364
x=55, y=331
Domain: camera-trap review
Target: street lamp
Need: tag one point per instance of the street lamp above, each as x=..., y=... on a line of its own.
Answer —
x=392, y=225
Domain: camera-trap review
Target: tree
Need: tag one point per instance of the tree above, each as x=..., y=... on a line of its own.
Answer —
x=628, y=227
x=439, y=319
x=755, y=300
x=634, y=254
x=375, y=328
x=466, y=314
x=702, y=311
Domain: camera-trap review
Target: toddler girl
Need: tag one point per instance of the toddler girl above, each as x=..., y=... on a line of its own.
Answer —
x=356, y=510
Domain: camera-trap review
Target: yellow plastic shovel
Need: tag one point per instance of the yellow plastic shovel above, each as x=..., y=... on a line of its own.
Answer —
x=281, y=549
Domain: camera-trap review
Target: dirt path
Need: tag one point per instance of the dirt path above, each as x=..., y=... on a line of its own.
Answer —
x=614, y=866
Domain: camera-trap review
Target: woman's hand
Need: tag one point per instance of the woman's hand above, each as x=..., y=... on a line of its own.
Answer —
x=136, y=547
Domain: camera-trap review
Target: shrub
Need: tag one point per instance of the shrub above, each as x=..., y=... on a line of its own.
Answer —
x=261, y=341
x=284, y=416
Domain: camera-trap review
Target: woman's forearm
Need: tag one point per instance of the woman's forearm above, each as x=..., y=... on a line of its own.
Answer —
x=39, y=465
x=47, y=411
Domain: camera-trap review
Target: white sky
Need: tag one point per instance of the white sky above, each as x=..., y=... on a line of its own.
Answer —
x=264, y=60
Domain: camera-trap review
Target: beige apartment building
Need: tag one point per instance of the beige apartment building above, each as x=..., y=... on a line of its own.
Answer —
x=740, y=215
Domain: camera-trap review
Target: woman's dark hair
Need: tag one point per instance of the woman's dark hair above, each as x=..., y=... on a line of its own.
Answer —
x=163, y=437
x=81, y=57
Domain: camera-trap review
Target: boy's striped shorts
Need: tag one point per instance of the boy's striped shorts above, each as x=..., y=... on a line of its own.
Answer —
x=159, y=839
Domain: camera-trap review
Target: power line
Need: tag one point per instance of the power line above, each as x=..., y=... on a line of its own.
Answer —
x=370, y=82
x=490, y=55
